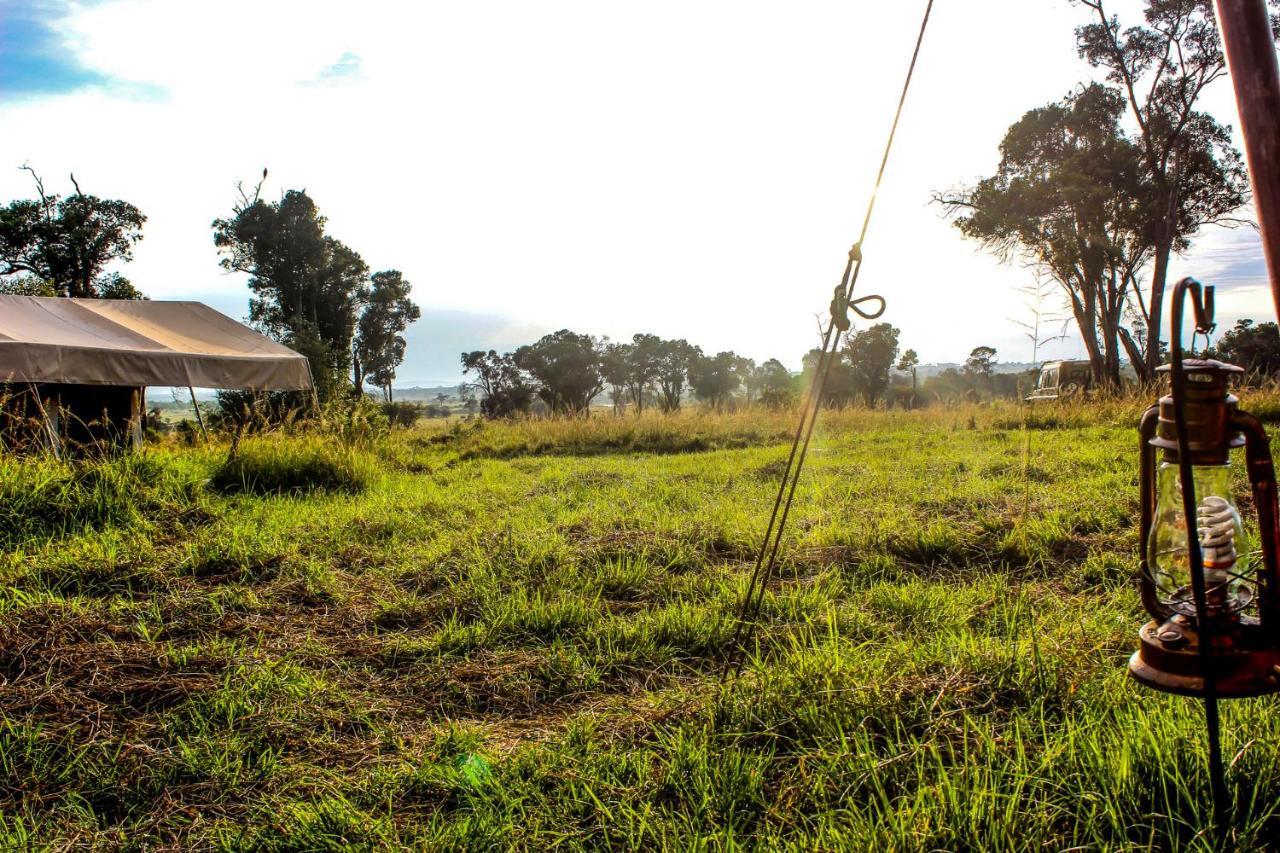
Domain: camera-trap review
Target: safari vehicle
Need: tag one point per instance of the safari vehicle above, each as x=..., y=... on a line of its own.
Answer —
x=1063, y=380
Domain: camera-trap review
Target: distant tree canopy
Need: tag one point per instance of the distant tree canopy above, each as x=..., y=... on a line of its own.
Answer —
x=952, y=384
x=568, y=368
x=633, y=368
x=872, y=353
x=56, y=246
x=567, y=371
x=860, y=366
x=378, y=347
x=1253, y=346
x=715, y=378
x=772, y=384
x=907, y=363
x=504, y=389
x=673, y=359
x=980, y=361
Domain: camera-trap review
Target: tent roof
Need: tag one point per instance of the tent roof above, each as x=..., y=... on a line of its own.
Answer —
x=139, y=342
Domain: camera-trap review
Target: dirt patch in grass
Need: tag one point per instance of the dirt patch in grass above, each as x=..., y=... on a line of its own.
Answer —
x=65, y=667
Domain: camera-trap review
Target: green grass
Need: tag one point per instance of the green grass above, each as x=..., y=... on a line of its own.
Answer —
x=509, y=636
x=293, y=465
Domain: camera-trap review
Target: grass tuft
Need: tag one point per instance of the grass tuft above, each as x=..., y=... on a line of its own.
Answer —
x=294, y=466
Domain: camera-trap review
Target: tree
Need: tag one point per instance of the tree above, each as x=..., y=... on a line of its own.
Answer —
x=980, y=362
x=307, y=287
x=504, y=389
x=27, y=285
x=1196, y=176
x=908, y=363
x=715, y=378
x=68, y=242
x=872, y=353
x=644, y=364
x=631, y=369
x=616, y=368
x=840, y=388
x=379, y=347
x=672, y=359
x=1255, y=347
x=568, y=368
x=1069, y=199
x=773, y=384
x=978, y=366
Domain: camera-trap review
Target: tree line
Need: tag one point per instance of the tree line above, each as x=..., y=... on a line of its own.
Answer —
x=565, y=373
x=309, y=290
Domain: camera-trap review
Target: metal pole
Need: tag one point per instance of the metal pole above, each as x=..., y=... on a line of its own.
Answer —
x=199, y=417
x=1251, y=58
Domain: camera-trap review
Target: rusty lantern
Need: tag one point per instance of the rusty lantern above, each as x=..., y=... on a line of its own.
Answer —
x=1214, y=606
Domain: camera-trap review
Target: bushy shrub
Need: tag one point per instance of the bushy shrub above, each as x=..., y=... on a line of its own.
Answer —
x=293, y=465
x=402, y=414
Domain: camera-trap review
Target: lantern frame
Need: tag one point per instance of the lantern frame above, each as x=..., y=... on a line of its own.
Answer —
x=1199, y=423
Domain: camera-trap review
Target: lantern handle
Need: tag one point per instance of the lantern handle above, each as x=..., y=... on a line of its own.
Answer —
x=1202, y=306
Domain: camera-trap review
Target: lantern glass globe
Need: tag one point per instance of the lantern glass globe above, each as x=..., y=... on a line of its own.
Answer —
x=1229, y=590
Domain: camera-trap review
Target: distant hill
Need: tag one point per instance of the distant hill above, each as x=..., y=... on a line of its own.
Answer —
x=924, y=371
x=426, y=394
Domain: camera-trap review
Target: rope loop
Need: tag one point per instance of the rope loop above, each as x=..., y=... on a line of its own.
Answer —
x=868, y=315
x=840, y=306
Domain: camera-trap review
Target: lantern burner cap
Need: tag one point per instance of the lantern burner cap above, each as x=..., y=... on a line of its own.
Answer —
x=1209, y=408
x=1203, y=365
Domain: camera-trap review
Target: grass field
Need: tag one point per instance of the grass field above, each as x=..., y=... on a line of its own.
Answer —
x=493, y=636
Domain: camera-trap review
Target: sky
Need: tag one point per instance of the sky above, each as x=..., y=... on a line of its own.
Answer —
x=693, y=169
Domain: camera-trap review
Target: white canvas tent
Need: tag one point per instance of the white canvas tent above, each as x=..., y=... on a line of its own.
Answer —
x=90, y=359
x=139, y=342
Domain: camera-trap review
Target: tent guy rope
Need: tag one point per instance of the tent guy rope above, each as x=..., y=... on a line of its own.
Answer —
x=767, y=558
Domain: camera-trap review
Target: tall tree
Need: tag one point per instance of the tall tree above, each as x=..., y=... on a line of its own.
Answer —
x=379, y=346
x=840, y=388
x=615, y=366
x=773, y=384
x=980, y=362
x=715, y=378
x=569, y=370
x=62, y=245
x=872, y=353
x=909, y=363
x=1163, y=66
x=1069, y=198
x=644, y=365
x=307, y=286
x=672, y=359
x=504, y=389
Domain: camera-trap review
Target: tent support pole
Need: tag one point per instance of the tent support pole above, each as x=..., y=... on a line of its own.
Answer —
x=199, y=417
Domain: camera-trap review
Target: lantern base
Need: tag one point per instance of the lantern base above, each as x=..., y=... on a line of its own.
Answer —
x=1168, y=659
